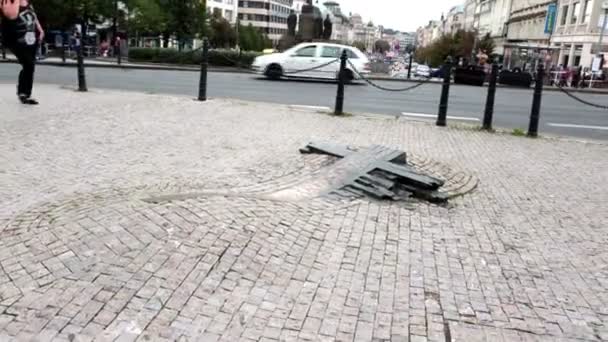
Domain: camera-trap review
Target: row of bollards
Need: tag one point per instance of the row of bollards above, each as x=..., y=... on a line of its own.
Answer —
x=202, y=90
x=339, y=106
x=442, y=113
x=489, y=108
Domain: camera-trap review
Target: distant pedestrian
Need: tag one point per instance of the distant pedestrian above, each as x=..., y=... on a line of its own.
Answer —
x=21, y=32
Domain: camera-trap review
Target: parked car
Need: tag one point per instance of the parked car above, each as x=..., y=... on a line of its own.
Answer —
x=309, y=55
x=422, y=71
x=439, y=72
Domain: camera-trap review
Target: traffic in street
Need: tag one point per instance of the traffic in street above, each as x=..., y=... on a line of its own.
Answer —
x=560, y=115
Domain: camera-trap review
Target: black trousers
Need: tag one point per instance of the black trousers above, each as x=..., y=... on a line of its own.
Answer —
x=26, y=55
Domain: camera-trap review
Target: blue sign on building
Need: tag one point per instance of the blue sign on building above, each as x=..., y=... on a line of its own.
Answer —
x=550, y=19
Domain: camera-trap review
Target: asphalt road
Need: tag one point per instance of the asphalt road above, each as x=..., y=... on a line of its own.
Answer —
x=560, y=115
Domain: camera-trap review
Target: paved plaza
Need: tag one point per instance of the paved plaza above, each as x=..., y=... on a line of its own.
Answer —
x=134, y=217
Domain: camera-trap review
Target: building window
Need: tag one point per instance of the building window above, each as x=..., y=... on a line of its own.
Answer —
x=587, y=11
x=576, y=8
x=564, y=15
x=228, y=15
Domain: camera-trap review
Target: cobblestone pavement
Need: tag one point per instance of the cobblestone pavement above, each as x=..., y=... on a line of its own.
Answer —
x=126, y=216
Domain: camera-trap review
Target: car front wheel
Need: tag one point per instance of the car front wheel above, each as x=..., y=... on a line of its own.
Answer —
x=274, y=72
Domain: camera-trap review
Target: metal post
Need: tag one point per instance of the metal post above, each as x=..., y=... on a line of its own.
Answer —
x=409, y=68
x=536, y=102
x=202, y=86
x=445, y=93
x=118, y=50
x=489, y=112
x=3, y=52
x=339, y=109
x=82, y=82
x=63, y=52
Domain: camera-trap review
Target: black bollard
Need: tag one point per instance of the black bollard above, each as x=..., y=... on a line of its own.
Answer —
x=119, y=56
x=339, y=109
x=63, y=53
x=409, y=68
x=445, y=93
x=202, y=85
x=82, y=82
x=489, y=112
x=536, y=101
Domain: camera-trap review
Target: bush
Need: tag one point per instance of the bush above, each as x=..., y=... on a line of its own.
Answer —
x=171, y=56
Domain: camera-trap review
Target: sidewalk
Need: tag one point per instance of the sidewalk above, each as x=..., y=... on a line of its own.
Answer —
x=150, y=218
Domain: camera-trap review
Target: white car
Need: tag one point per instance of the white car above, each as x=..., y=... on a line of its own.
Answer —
x=422, y=71
x=296, y=61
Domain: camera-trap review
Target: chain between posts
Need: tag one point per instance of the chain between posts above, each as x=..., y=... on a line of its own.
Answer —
x=368, y=81
x=585, y=102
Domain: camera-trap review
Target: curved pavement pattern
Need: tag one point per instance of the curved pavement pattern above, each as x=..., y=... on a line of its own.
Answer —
x=86, y=254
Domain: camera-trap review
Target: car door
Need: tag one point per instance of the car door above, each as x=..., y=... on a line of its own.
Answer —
x=302, y=58
x=329, y=53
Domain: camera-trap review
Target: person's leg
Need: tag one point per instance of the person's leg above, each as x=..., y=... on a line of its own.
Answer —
x=26, y=55
x=29, y=67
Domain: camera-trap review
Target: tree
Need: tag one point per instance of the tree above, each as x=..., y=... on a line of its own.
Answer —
x=147, y=16
x=221, y=33
x=487, y=45
x=62, y=14
x=460, y=44
x=382, y=46
x=359, y=45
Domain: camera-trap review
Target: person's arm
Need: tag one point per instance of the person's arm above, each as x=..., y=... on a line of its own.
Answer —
x=10, y=9
x=40, y=31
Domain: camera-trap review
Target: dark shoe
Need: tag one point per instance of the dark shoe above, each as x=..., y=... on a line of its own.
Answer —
x=27, y=100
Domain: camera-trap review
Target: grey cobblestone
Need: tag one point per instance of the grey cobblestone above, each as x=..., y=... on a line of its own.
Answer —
x=82, y=255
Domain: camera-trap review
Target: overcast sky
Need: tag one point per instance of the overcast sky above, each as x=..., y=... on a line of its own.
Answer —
x=402, y=15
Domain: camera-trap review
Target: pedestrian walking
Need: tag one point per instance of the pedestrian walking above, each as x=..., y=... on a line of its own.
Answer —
x=21, y=32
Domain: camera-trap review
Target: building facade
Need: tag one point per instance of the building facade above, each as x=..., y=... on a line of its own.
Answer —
x=577, y=32
x=428, y=34
x=454, y=21
x=341, y=23
x=228, y=9
x=470, y=6
x=269, y=16
x=296, y=5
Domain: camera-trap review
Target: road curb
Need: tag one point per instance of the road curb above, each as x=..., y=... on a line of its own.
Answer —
x=135, y=66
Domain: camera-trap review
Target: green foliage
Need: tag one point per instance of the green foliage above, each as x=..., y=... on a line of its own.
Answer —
x=217, y=57
x=382, y=46
x=518, y=132
x=459, y=44
x=147, y=16
x=221, y=34
x=64, y=13
x=487, y=45
x=251, y=39
x=360, y=45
